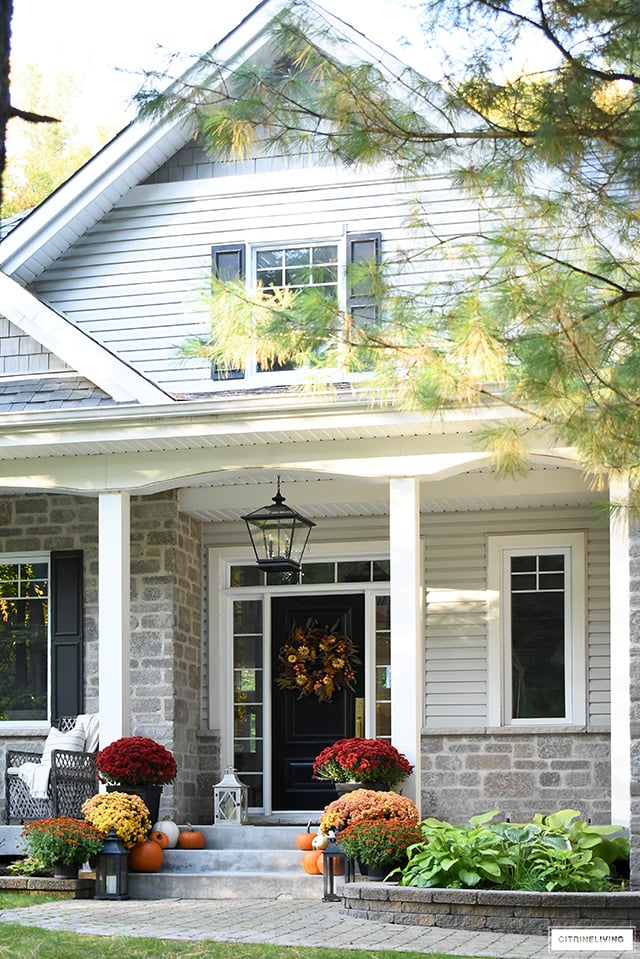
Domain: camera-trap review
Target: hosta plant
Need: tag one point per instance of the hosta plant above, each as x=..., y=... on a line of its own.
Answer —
x=559, y=852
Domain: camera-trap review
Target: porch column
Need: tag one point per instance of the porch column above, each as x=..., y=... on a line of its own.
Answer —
x=113, y=615
x=620, y=644
x=406, y=624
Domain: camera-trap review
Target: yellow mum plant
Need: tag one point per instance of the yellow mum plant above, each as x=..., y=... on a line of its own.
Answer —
x=126, y=814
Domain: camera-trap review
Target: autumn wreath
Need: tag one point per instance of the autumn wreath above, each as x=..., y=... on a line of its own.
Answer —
x=317, y=660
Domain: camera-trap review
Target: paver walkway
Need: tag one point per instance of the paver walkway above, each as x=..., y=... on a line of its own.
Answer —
x=281, y=922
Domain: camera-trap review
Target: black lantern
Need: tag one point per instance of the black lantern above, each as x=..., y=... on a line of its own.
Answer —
x=334, y=864
x=112, y=869
x=278, y=535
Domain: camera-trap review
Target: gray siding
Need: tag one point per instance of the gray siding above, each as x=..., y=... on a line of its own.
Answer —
x=134, y=281
x=456, y=624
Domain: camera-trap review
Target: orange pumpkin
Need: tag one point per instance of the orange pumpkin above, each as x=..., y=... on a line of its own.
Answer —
x=338, y=866
x=310, y=862
x=304, y=840
x=146, y=856
x=191, y=838
x=160, y=837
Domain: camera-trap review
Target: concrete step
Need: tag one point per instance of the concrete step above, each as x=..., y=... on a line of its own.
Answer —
x=175, y=885
x=232, y=860
x=238, y=862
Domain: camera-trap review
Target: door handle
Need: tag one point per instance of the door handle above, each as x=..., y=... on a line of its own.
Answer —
x=359, y=724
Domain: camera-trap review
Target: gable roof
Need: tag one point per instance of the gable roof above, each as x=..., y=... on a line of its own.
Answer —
x=136, y=152
x=127, y=160
x=81, y=353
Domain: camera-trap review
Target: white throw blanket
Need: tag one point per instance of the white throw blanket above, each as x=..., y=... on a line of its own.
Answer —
x=35, y=776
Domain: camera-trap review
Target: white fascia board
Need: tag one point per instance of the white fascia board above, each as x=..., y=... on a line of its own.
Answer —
x=85, y=187
x=78, y=350
x=110, y=166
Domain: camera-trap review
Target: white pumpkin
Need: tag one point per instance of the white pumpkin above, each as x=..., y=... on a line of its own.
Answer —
x=171, y=831
x=320, y=841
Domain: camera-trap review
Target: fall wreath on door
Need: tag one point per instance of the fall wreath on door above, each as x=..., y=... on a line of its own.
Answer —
x=317, y=660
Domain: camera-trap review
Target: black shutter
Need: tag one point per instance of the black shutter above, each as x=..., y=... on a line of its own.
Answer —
x=227, y=262
x=227, y=265
x=362, y=248
x=66, y=611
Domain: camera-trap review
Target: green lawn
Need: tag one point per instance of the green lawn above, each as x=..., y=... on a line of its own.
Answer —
x=20, y=942
x=29, y=942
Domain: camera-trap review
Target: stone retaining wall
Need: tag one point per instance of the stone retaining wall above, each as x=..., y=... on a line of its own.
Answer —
x=491, y=910
x=56, y=888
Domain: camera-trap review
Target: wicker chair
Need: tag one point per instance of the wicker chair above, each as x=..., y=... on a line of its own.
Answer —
x=72, y=779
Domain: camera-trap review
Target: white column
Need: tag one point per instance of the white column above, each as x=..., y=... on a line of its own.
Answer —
x=407, y=638
x=113, y=615
x=620, y=586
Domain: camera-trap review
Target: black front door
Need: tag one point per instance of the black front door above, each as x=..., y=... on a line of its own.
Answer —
x=301, y=727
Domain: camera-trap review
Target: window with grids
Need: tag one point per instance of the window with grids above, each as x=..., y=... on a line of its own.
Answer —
x=323, y=267
x=537, y=628
x=538, y=615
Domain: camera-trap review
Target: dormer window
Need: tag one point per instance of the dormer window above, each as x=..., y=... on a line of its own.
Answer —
x=322, y=266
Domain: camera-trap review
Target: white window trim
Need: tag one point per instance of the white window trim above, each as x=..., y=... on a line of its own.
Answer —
x=499, y=673
x=220, y=693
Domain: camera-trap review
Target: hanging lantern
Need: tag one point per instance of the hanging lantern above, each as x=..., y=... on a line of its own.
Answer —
x=230, y=800
x=278, y=535
x=335, y=864
x=112, y=869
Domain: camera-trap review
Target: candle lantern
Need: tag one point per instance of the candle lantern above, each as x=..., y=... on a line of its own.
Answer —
x=278, y=535
x=112, y=869
x=335, y=864
x=230, y=800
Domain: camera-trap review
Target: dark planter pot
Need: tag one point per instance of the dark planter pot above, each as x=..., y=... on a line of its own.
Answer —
x=342, y=788
x=63, y=871
x=379, y=873
x=149, y=793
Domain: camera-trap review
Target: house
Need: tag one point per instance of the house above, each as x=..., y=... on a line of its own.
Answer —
x=481, y=606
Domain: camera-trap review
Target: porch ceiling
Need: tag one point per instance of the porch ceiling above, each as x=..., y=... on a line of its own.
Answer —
x=226, y=497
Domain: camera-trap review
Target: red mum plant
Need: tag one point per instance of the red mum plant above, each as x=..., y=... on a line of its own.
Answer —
x=381, y=843
x=362, y=761
x=136, y=761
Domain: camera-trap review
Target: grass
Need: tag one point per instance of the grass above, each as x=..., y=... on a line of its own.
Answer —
x=20, y=942
x=29, y=942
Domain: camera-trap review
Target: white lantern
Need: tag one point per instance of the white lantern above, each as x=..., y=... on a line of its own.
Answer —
x=230, y=800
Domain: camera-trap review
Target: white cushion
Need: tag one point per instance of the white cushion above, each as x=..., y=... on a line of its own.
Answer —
x=92, y=732
x=72, y=740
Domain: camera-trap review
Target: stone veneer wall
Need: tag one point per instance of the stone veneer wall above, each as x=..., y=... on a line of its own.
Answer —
x=469, y=772
x=166, y=586
x=166, y=639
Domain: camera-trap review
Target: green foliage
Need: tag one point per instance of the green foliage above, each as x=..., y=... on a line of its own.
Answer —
x=537, y=305
x=61, y=840
x=555, y=853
